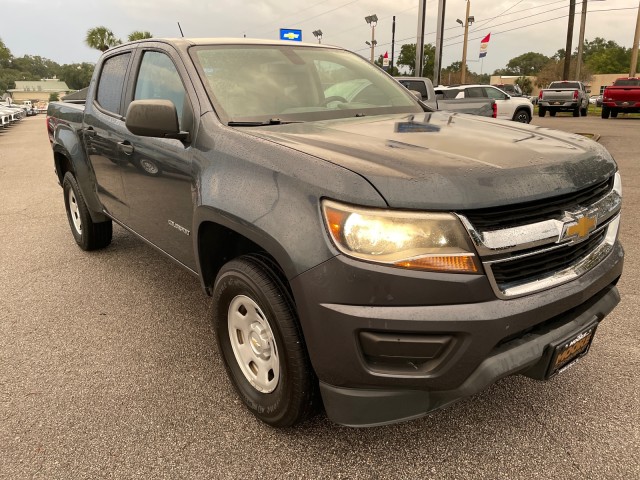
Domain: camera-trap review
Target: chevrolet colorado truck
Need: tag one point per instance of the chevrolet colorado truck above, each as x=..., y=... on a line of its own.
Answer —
x=621, y=97
x=474, y=106
x=360, y=249
x=564, y=96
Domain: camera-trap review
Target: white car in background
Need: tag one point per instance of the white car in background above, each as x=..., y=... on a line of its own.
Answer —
x=518, y=109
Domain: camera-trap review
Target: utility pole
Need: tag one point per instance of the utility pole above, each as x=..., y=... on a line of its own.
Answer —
x=634, y=52
x=437, y=61
x=393, y=44
x=422, y=8
x=567, y=51
x=583, y=22
x=463, y=69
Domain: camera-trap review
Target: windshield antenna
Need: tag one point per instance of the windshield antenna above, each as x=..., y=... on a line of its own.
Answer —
x=180, y=30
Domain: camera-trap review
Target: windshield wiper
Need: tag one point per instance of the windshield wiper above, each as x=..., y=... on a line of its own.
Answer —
x=271, y=121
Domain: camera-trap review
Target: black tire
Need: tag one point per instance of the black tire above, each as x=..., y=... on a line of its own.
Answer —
x=614, y=113
x=250, y=291
x=89, y=235
x=576, y=112
x=522, y=116
x=584, y=111
x=605, y=112
x=148, y=167
x=542, y=111
x=552, y=113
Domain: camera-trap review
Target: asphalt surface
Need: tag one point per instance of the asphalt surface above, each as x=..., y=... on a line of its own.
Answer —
x=108, y=367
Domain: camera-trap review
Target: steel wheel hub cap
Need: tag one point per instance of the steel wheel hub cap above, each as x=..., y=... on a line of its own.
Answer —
x=74, y=211
x=253, y=344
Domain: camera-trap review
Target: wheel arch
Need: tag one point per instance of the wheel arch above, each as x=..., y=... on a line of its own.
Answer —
x=220, y=238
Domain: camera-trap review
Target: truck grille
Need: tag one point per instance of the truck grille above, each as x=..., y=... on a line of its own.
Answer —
x=540, y=265
x=533, y=246
x=532, y=212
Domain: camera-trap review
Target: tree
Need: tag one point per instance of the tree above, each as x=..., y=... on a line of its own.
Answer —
x=36, y=66
x=53, y=97
x=525, y=84
x=407, y=58
x=529, y=63
x=77, y=75
x=101, y=38
x=5, y=55
x=138, y=35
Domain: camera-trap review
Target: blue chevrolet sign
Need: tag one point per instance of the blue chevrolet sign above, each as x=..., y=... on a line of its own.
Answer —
x=291, y=34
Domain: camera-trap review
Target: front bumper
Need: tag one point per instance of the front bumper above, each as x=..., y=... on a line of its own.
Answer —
x=390, y=344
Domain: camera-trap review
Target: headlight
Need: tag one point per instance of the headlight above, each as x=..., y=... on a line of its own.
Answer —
x=416, y=240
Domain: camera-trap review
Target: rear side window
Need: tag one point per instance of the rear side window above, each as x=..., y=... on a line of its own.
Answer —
x=109, y=94
x=417, y=86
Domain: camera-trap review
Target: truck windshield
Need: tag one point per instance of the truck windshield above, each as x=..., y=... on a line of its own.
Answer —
x=260, y=83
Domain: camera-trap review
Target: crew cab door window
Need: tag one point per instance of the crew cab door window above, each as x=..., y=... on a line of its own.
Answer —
x=109, y=95
x=159, y=79
x=495, y=94
x=474, y=92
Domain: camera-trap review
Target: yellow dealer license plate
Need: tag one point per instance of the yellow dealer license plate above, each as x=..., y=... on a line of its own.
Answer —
x=570, y=350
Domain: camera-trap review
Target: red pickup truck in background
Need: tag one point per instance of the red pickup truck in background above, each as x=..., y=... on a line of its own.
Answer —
x=622, y=96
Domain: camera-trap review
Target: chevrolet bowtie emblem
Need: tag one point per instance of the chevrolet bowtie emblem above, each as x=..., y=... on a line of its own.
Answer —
x=582, y=228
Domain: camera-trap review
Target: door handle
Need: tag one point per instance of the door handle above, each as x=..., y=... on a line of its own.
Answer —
x=126, y=147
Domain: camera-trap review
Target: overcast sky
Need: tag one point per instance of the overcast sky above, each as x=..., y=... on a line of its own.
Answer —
x=56, y=29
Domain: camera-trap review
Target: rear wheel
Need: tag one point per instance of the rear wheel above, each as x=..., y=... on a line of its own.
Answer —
x=259, y=337
x=576, y=112
x=552, y=113
x=89, y=235
x=542, y=111
x=614, y=113
x=605, y=112
x=584, y=111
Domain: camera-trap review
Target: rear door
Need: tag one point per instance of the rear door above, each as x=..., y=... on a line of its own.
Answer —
x=104, y=133
x=503, y=103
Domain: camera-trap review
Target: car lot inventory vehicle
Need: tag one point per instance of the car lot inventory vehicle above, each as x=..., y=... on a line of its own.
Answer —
x=518, y=109
x=621, y=97
x=564, y=96
x=474, y=106
x=362, y=249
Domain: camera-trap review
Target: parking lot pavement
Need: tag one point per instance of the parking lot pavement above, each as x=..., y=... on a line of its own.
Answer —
x=108, y=367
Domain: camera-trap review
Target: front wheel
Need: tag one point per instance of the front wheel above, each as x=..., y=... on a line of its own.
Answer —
x=259, y=337
x=522, y=116
x=89, y=235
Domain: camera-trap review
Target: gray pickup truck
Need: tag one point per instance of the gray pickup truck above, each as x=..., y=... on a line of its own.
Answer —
x=360, y=249
x=564, y=96
x=485, y=107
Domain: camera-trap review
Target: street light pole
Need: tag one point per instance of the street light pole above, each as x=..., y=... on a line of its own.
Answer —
x=419, y=65
x=463, y=69
x=372, y=20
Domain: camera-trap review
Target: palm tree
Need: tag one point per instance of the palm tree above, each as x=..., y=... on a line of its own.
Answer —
x=101, y=38
x=138, y=35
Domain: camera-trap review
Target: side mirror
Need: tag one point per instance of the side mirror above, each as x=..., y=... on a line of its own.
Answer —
x=416, y=94
x=154, y=118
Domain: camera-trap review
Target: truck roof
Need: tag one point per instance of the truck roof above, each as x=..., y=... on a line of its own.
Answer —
x=190, y=42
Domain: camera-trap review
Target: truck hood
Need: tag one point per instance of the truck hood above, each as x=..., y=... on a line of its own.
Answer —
x=448, y=161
